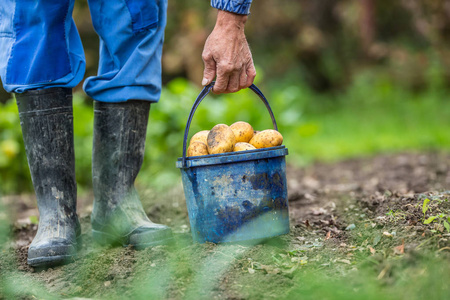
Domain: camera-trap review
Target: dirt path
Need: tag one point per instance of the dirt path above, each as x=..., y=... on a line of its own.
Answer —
x=343, y=216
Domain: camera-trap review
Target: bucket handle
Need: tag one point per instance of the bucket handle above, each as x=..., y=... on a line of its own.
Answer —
x=199, y=99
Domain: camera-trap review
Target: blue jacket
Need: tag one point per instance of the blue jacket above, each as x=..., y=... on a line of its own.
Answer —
x=241, y=7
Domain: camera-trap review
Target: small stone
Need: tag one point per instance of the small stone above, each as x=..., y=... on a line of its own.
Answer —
x=350, y=227
x=344, y=261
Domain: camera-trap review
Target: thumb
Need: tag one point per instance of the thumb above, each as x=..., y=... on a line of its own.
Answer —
x=209, y=73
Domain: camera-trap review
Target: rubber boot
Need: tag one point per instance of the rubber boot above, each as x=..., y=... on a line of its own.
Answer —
x=47, y=126
x=119, y=142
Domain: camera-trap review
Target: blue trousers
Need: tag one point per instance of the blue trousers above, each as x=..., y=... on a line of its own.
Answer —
x=40, y=47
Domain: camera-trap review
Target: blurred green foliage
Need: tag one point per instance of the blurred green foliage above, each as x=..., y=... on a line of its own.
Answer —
x=371, y=116
x=14, y=176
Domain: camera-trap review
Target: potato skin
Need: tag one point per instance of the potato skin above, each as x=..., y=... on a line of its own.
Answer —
x=243, y=147
x=200, y=136
x=267, y=138
x=242, y=131
x=197, y=148
x=221, y=139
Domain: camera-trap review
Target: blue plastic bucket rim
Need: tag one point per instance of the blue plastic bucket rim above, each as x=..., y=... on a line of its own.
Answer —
x=232, y=157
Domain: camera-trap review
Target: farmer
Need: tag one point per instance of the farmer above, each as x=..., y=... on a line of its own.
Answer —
x=41, y=61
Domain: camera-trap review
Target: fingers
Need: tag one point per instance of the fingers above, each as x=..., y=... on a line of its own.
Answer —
x=233, y=84
x=232, y=75
x=243, y=79
x=209, y=73
x=251, y=74
x=221, y=82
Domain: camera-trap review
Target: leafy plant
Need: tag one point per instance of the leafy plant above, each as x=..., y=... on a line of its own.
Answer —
x=442, y=219
x=425, y=206
x=395, y=215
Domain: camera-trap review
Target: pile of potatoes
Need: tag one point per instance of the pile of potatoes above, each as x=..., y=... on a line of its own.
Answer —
x=240, y=136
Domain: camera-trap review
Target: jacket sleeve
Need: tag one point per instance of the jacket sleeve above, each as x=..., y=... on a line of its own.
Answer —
x=241, y=7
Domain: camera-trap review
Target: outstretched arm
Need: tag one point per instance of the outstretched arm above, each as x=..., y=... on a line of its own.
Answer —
x=226, y=53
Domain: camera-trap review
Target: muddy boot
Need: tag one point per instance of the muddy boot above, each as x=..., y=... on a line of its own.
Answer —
x=119, y=141
x=47, y=126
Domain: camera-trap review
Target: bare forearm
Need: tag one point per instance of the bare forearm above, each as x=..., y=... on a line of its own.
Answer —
x=228, y=19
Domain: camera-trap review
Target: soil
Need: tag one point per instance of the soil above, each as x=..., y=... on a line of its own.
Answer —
x=341, y=213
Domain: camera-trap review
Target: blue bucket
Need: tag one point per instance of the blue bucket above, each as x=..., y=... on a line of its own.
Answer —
x=235, y=196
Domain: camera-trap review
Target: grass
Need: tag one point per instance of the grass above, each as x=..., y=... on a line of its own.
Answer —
x=424, y=280
x=276, y=270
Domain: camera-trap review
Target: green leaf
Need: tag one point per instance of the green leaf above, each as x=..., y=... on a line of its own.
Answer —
x=425, y=205
x=429, y=220
x=376, y=239
x=447, y=226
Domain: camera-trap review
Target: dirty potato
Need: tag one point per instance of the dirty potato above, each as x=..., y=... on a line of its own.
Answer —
x=243, y=147
x=221, y=139
x=267, y=138
x=200, y=136
x=197, y=148
x=242, y=131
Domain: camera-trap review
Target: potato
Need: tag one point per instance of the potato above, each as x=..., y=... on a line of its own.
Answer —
x=197, y=148
x=267, y=138
x=200, y=136
x=243, y=147
x=242, y=131
x=221, y=139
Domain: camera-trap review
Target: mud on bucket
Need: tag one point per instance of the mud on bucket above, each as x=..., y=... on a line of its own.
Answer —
x=235, y=196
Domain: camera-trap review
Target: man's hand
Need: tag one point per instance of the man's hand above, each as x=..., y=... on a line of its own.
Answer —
x=227, y=55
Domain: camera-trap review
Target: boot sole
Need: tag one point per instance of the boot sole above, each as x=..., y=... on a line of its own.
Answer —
x=106, y=239
x=167, y=241
x=56, y=260
x=50, y=261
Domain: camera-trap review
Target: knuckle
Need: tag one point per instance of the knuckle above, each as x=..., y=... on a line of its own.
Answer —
x=227, y=67
x=206, y=56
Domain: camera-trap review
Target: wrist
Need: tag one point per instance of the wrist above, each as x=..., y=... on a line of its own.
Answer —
x=230, y=20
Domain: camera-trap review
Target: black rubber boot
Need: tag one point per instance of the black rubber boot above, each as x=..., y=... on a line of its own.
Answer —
x=119, y=142
x=47, y=126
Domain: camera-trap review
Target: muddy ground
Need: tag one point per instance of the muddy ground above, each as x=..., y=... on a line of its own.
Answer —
x=361, y=215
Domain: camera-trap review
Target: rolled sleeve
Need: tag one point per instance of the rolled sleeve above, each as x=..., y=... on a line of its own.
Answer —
x=241, y=7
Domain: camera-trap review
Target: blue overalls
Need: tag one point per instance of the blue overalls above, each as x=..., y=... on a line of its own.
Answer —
x=40, y=46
